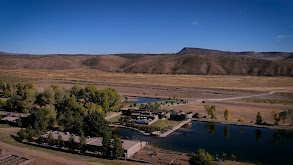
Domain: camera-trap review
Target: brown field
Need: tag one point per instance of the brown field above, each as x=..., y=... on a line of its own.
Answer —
x=190, y=87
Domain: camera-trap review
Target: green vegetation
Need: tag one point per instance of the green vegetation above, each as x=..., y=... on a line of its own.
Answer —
x=114, y=119
x=211, y=111
x=269, y=101
x=276, y=117
x=258, y=119
x=201, y=158
x=227, y=114
x=165, y=123
x=151, y=106
x=5, y=136
x=80, y=111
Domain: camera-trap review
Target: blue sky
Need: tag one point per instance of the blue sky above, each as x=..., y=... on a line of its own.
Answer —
x=144, y=26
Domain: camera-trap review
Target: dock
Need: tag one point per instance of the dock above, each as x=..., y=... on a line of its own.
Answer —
x=165, y=134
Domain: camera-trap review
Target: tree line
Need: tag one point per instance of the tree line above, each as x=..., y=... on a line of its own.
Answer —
x=78, y=110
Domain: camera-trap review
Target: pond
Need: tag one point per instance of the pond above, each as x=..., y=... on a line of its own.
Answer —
x=144, y=100
x=249, y=144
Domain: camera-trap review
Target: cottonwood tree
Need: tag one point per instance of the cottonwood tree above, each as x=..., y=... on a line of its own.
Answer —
x=290, y=115
x=107, y=143
x=201, y=158
x=51, y=140
x=258, y=118
x=276, y=117
x=283, y=115
x=60, y=141
x=117, y=147
x=95, y=124
x=82, y=142
x=227, y=114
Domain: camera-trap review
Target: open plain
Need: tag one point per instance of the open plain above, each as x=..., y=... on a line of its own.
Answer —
x=224, y=91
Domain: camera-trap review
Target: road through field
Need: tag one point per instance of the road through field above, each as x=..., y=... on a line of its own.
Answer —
x=43, y=155
x=239, y=97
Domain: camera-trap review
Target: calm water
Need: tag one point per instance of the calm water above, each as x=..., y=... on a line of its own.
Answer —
x=257, y=145
x=145, y=100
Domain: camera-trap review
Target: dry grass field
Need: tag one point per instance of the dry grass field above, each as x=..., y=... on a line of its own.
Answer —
x=256, y=83
x=190, y=87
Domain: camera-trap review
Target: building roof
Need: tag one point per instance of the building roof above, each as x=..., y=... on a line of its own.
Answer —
x=14, y=114
x=95, y=141
x=9, y=118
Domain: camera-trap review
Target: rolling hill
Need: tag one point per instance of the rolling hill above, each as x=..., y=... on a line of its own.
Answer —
x=153, y=63
x=264, y=55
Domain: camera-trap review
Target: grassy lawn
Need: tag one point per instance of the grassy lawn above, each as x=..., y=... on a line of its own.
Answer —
x=5, y=136
x=165, y=123
x=114, y=119
x=5, y=126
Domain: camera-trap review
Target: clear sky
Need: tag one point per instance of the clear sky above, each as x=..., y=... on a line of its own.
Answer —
x=144, y=26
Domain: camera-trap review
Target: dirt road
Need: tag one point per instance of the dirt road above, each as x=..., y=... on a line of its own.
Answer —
x=239, y=97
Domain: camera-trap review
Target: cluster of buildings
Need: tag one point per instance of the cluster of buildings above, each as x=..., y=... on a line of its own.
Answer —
x=148, y=117
x=94, y=144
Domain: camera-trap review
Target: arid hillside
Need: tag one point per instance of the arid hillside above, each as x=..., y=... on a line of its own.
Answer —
x=263, y=55
x=153, y=63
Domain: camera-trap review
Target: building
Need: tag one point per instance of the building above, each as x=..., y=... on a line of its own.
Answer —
x=94, y=144
x=181, y=116
x=12, y=117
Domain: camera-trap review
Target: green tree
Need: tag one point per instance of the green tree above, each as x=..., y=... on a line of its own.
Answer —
x=30, y=133
x=82, y=142
x=117, y=147
x=258, y=118
x=71, y=144
x=283, y=116
x=51, y=139
x=22, y=134
x=276, y=117
x=77, y=92
x=46, y=97
x=157, y=106
x=290, y=115
x=43, y=118
x=60, y=141
x=227, y=114
x=60, y=94
x=207, y=108
x=107, y=143
x=226, y=132
x=213, y=112
x=95, y=124
x=201, y=158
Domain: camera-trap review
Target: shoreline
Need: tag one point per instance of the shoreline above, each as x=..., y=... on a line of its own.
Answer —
x=238, y=123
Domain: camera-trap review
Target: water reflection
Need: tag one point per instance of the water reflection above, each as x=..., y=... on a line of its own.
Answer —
x=210, y=127
x=258, y=135
x=238, y=142
x=226, y=132
x=241, y=130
